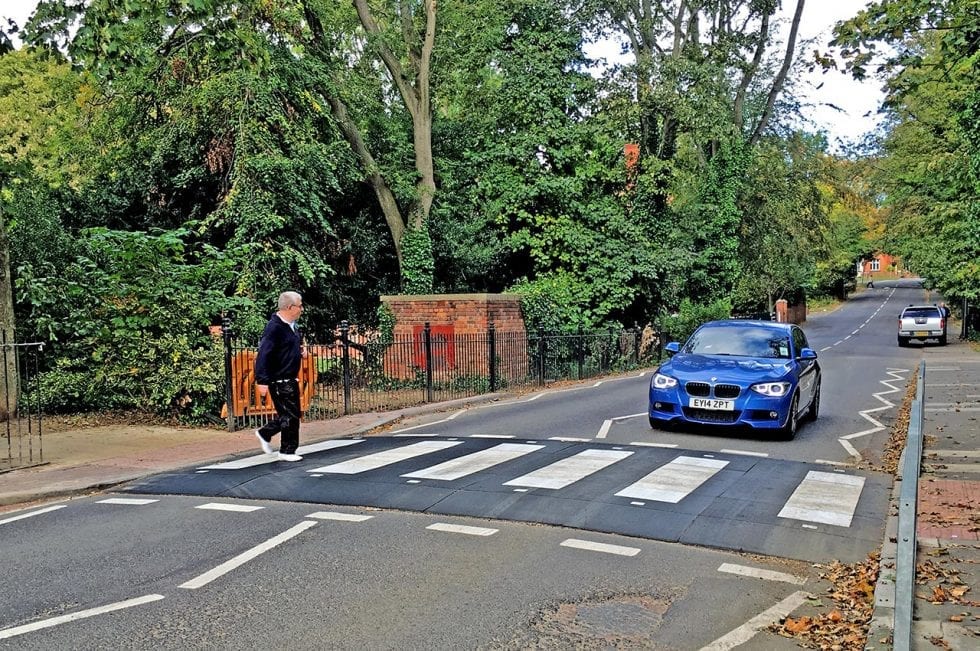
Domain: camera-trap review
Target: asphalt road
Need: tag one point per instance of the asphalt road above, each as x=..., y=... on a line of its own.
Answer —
x=673, y=540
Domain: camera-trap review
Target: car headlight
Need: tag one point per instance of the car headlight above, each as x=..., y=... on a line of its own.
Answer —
x=661, y=381
x=772, y=389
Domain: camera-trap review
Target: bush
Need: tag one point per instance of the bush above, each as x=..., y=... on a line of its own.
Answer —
x=680, y=325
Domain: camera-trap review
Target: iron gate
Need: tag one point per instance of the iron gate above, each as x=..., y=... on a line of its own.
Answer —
x=20, y=434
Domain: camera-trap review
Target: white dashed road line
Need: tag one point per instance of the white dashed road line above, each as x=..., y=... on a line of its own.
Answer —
x=32, y=513
x=341, y=517
x=459, y=528
x=600, y=547
x=132, y=501
x=755, y=572
x=237, y=508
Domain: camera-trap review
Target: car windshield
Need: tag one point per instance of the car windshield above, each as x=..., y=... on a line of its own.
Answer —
x=921, y=311
x=743, y=342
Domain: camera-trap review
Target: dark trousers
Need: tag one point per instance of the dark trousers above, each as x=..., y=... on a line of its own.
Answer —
x=285, y=398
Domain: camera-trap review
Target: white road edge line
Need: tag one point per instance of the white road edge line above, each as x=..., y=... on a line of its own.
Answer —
x=755, y=572
x=600, y=547
x=33, y=513
x=246, y=556
x=747, y=631
x=82, y=614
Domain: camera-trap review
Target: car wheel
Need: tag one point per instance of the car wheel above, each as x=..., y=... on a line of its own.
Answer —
x=903, y=342
x=942, y=340
x=814, y=410
x=792, y=420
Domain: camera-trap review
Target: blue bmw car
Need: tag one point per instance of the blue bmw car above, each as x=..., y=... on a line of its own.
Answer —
x=734, y=373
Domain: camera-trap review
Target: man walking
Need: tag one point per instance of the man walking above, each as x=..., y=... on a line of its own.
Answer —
x=277, y=372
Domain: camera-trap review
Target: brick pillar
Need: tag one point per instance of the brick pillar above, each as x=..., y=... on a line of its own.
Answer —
x=782, y=311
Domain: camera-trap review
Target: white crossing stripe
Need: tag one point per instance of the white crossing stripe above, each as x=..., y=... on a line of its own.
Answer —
x=342, y=517
x=675, y=480
x=260, y=459
x=471, y=463
x=825, y=497
x=569, y=470
x=600, y=547
x=386, y=458
x=237, y=508
x=127, y=500
x=459, y=528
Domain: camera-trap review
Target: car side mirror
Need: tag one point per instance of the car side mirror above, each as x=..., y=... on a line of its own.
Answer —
x=808, y=353
x=672, y=347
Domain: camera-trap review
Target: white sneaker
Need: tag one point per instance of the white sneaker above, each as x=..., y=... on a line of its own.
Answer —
x=289, y=457
x=266, y=446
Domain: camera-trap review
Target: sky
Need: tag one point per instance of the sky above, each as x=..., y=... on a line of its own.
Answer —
x=859, y=101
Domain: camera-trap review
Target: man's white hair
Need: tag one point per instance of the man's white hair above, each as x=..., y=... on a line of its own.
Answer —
x=286, y=299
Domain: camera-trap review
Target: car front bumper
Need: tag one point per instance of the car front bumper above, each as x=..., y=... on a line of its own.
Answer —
x=754, y=410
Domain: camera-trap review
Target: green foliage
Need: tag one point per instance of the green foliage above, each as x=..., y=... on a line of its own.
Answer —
x=128, y=321
x=681, y=324
x=554, y=304
x=417, y=263
x=386, y=324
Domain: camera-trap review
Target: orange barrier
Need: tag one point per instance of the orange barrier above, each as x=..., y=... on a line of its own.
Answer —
x=245, y=398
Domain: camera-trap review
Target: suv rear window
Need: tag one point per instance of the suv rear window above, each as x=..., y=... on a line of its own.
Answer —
x=921, y=311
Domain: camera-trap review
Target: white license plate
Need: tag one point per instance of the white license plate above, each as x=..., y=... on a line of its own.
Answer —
x=709, y=403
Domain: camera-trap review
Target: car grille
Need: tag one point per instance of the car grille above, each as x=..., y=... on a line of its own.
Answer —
x=700, y=389
x=710, y=415
x=726, y=390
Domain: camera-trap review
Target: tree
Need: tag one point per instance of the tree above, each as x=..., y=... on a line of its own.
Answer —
x=931, y=174
x=38, y=120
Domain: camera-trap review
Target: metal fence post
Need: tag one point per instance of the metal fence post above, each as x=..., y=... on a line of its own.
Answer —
x=229, y=380
x=964, y=325
x=542, y=349
x=427, y=338
x=345, y=363
x=636, y=343
x=492, y=354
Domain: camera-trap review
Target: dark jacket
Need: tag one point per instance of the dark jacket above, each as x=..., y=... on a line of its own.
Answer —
x=280, y=353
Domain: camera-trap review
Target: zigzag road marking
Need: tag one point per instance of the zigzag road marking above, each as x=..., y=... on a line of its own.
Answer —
x=866, y=413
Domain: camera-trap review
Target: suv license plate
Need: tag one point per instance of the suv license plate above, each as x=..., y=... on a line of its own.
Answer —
x=921, y=334
x=708, y=403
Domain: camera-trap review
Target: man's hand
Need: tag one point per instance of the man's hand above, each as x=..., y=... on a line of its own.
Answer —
x=263, y=389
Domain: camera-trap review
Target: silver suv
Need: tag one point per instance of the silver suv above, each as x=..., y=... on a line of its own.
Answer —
x=922, y=322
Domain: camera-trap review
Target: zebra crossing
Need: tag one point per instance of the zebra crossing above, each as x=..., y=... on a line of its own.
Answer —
x=820, y=497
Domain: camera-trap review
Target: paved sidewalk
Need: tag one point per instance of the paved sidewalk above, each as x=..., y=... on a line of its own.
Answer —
x=946, y=611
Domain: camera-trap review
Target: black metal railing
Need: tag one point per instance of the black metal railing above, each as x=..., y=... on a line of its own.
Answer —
x=357, y=371
x=20, y=435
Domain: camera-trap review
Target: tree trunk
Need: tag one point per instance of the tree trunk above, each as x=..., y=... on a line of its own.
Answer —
x=10, y=382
